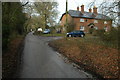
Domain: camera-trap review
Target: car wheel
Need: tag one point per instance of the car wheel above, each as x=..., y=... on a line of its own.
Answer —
x=69, y=35
x=82, y=35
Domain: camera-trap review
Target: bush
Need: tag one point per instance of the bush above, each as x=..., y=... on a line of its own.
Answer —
x=70, y=26
x=111, y=36
x=37, y=33
x=6, y=33
x=52, y=30
x=91, y=30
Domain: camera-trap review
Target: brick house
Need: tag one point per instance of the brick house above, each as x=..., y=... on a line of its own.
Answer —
x=85, y=20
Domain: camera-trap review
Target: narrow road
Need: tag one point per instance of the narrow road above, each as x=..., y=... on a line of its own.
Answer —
x=41, y=61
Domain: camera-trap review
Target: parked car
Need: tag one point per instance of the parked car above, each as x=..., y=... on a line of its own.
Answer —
x=76, y=34
x=39, y=30
x=46, y=31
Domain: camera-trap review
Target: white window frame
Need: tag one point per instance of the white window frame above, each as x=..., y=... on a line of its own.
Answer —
x=82, y=20
x=82, y=28
x=95, y=21
x=106, y=28
x=105, y=22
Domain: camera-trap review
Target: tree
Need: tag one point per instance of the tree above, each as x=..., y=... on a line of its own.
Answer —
x=13, y=20
x=28, y=10
x=110, y=9
x=70, y=26
x=47, y=11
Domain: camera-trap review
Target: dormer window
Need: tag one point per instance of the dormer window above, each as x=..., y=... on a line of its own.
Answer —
x=95, y=21
x=81, y=20
x=105, y=22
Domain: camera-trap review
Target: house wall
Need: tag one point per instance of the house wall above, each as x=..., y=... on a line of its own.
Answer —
x=63, y=21
x=99, y=25
x=87, y=21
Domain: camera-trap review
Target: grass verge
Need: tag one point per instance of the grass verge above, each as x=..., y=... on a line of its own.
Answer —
x=91, y=54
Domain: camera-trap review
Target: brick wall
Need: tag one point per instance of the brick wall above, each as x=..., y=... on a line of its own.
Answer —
x=87, y=21
x=63, y=21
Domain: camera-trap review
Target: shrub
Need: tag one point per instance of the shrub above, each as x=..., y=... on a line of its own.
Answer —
x=52, y=30
x=91, y=30
x=70, y=26
x=37, y=33
x=6, y=33
x=100, y=33
x=95, y=33
x=111, y=36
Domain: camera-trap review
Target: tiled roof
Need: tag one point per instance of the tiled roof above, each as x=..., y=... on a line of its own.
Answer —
x=79, y=14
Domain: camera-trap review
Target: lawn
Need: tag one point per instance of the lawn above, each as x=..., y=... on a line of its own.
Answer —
x=50, y=35
x=90, y=53
x=55, y=35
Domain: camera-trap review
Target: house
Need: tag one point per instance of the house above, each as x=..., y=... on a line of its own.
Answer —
x=85, y=20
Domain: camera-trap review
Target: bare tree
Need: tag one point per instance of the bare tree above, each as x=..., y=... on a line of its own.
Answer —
x=110, y=9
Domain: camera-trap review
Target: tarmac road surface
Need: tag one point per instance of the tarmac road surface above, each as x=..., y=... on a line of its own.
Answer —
x=41, y=61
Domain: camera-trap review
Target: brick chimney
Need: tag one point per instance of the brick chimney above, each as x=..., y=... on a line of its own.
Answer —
x=90, y=10
x=78, y=8
x=82, y=8
x=95, y=10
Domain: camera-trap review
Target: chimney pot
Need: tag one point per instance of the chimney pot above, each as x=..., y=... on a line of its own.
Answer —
x=90, y=10
x=82, y=8
x=95, y=10
x=78, y=8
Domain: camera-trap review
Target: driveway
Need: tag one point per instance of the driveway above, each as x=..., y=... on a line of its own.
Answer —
x=41, y=61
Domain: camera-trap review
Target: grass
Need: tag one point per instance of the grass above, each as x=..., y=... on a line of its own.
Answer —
x=56, y=35
x=49, y=35
x=96, y=40
x=97, y=56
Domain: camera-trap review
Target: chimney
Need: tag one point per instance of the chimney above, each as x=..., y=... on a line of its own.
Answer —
x=90, y=10
x=82, y=8
x=95, y=10
x=78, y=8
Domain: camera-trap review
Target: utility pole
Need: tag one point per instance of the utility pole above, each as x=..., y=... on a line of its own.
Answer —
x=66, y=14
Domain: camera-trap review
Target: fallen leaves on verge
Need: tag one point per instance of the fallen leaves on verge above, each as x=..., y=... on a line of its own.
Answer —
x=98, y=58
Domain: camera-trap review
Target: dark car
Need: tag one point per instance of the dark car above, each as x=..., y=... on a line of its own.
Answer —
x=76, y=34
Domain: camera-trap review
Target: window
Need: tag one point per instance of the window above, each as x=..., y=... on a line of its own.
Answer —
x=95, y=21
x=105, y=22
x=96, y=28
x=81, y=20
x=106, y=28
x=82, y=28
